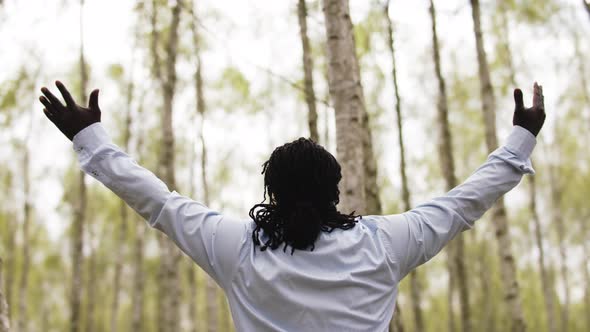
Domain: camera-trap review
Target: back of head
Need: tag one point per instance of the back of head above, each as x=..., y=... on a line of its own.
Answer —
x=301, y=180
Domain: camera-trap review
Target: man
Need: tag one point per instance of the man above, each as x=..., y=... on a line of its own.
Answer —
x=332, y=271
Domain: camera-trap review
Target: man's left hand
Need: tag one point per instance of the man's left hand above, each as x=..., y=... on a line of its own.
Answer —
x=71, y=118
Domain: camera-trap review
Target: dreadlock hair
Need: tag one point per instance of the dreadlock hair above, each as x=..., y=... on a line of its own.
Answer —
x=301, y=180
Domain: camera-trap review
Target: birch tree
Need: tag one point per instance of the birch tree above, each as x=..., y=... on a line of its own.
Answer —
x=123, y=209
x=586, y=273
x=22, y=321
x=4, y=319
x=80, y=207
x=415, y=288
x=546, y=280
x=212, y=289
x=200, y=105
x=347, y=95
x=165, y=75
x=500, y=220
x=138, y=284
x=92, y=243
x=310, y=100
x=415, y=293
x=557, y=220
x=447, y=164
x=7, y=282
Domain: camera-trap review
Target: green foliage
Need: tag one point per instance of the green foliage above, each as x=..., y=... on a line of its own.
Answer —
x=233, y=79
x=116, y=71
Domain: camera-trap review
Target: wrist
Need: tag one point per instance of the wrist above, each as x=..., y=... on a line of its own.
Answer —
x=90, y=138
x=521, y=141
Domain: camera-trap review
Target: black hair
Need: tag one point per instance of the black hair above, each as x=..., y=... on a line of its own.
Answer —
x=301, y=179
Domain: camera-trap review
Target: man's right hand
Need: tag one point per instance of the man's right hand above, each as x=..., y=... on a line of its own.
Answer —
x=532, y=118
x=71, y=118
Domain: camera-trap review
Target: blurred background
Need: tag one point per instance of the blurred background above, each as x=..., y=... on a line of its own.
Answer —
x=235, y=79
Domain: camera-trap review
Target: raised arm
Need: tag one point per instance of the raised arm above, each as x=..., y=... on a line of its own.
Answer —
x=209, y=238
x=416, y=236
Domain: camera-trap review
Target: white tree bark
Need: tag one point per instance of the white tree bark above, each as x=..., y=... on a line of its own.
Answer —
x=546, y=282
x=22, y=321
x=456, y=256
x=507, y=261
x=169, y=285
x=124, y=213
x=415, y=289
x=79, y=210
x=347, y=95
x=310, y=100
x=4, y=320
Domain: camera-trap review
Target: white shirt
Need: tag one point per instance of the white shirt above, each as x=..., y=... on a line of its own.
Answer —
x=348, y=283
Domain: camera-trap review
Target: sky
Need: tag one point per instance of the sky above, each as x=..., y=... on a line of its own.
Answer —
x=257, y=36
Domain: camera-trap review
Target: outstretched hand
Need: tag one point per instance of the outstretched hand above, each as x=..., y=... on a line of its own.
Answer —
x=71, y=118
x=532, y=118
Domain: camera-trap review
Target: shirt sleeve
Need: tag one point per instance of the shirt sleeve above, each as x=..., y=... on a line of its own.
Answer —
x=414, y=237
x=212, y=240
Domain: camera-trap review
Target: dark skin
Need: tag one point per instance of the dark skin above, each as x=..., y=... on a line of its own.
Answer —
x=71, y=118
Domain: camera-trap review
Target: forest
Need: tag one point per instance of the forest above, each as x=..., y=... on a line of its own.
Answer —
x=410, y=96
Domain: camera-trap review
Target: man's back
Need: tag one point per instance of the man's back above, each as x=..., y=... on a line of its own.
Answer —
x=345, y=284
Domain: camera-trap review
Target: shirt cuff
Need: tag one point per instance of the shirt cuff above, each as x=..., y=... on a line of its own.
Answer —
x=89, y=139
x=521, y=142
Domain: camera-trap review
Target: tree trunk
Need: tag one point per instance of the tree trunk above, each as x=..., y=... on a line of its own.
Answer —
x=124, y=213
x=192, y=300
x=415, y=290
x=79, y=210
x=200, y=105
x=556, y=193
x=372, y=201
x=22, y=321
x=90, y=321
x=489, y=309
x=546, y=283
x=137, y=291
x=212, y=290
x=137, y=296
x=585, y=273
x=10, y=262
x=169, y=288
x=198, y=80
x=507, y=261
x=119, y=266
x=396, y=324
x=346, y=92
x=457, y=271
x=312, y=114
x=4, y=320
x=586, y=4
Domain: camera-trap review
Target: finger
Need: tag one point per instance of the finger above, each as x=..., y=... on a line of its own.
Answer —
x=93, y=101
x=57, y=105
x=48, y=114
x=537, y=99
x=66, y=94
x=519, y=103
x=542, y=105
x=47, y=104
